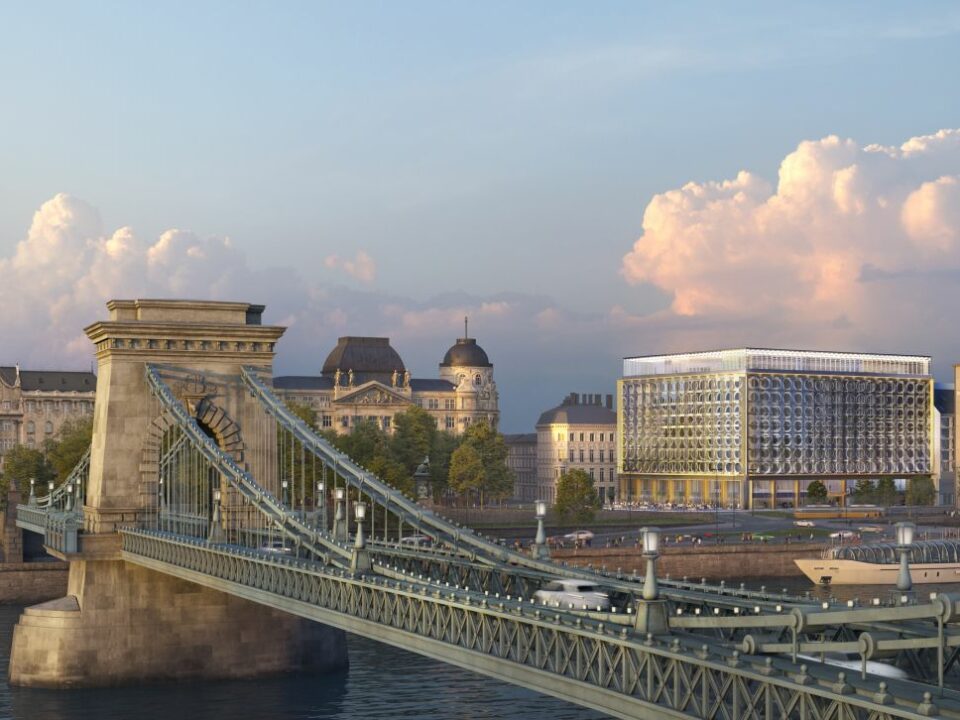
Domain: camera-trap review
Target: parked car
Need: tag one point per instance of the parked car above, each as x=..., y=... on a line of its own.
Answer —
x=804, y=523
x=276, y=546
x=580, y=594
x=417, y=540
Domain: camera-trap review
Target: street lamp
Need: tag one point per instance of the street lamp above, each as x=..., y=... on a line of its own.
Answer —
x=905, y=532
x=69, y=505
x=216, y=531
x=339, y=526
x=321, y=501
x=283, y=496
x=651, y=551
x=540, y=551
x=33, y=495
x=360, y=562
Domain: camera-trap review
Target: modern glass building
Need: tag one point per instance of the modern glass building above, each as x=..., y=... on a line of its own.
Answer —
x=753, y=427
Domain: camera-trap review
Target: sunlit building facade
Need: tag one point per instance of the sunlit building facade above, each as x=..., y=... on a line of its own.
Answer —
x=753, y=427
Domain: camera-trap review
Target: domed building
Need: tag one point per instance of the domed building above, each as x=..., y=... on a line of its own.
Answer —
x=364, y=378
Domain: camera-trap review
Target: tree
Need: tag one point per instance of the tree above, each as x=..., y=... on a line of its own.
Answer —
x=576, y=497
x=304, y=412
x=864, y=492
x=467, y=474
x=886, y=491
x=921, y=491
x=22, y=463
x=816, y=493
x=414, y=435
x=444, y=445
x=490, y=446
x=72, y=442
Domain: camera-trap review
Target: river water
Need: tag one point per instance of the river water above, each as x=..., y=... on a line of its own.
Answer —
x=382, y=682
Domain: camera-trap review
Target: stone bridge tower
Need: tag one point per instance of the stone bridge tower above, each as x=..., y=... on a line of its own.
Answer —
x=120, y=623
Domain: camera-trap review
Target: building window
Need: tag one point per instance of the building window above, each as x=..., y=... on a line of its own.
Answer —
x=386, y=422
x=581, y=437
x=450, y=404
x=449, y=422
x=345, y=421
x=48, y=427
x=601, y=474
x=571, y=437
x=433, y=404
x=601, y=437
x=581, y=454
x=591, y=437
x=477, y=380
x=591, y=473
x=571, y=455
x=327, y=421
x=591, y=454
x=31, y=427
x=601, y=456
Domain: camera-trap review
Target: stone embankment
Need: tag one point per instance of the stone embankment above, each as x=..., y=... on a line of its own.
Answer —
x=714, y=562
x=27, y=583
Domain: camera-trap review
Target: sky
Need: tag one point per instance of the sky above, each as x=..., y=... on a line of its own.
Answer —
x=586, y=181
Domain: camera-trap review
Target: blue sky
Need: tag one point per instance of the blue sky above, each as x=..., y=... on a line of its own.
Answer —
x=467, y=148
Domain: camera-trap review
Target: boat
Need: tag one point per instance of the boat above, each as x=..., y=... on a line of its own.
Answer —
x=931, y=561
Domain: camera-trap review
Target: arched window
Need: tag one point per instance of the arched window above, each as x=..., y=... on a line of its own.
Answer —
x=477, y=379
x=48, y=427
x=31, y=427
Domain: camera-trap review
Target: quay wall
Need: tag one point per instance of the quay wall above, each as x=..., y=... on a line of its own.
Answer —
x=27, y=583
x=714, y=562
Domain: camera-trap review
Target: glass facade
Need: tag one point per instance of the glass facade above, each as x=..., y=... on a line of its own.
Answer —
x=715, y=425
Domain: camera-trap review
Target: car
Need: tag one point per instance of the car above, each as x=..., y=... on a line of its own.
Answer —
x=843, y=535
x=417, y=540
x=804, y=523
x=574, y=594
x=276, y=546
x=579, y=535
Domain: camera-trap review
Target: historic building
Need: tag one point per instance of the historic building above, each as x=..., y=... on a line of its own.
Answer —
x=753, y=427
x=34, y=404
x=522, y=461
x=364, y=378
x=578, y=434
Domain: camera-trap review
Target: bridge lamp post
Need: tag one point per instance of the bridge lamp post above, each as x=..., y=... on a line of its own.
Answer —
x=651, y=551
x=321, y=502
x=50, y=494
x=540, y=551
x=216, y=531
x=284, y=484
x=339, y=524
x=69, y=504
x=905, y=532
x=360, y=562
x=33, y=495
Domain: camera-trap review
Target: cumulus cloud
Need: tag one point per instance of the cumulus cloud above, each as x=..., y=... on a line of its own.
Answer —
x=361, y=267
x=853, y=242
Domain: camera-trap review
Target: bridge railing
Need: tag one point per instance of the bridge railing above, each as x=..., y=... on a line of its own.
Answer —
x=586, y=661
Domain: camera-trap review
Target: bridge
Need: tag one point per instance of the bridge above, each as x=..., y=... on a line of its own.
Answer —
x=201, y=543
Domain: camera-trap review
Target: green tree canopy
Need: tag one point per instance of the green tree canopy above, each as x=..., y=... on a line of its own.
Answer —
x=865, y=492
x=886, y=491
x=816, y=492
x=71, y=443
x=490, y=446
x=414, y=437
x=921, y=491
x=576, y=496
x=22, y=463
x=467, y=474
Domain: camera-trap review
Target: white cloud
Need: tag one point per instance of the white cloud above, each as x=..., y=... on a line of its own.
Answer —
x=832, y=254
x=362, y=267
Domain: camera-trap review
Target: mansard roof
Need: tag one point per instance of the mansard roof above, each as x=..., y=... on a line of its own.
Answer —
x=49, y=380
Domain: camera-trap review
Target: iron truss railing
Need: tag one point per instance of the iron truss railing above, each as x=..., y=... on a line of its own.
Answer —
x=581, y=660
x=58, y=516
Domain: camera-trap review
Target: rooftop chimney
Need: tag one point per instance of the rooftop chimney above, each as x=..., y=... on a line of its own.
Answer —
x=609, y=402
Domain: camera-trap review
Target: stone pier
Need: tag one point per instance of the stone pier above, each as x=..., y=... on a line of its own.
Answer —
x=120, y=623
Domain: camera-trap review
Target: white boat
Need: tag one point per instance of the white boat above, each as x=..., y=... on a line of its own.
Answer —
x=932, y=561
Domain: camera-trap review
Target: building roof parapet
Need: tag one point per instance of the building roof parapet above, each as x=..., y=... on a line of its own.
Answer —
x=767, y=359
